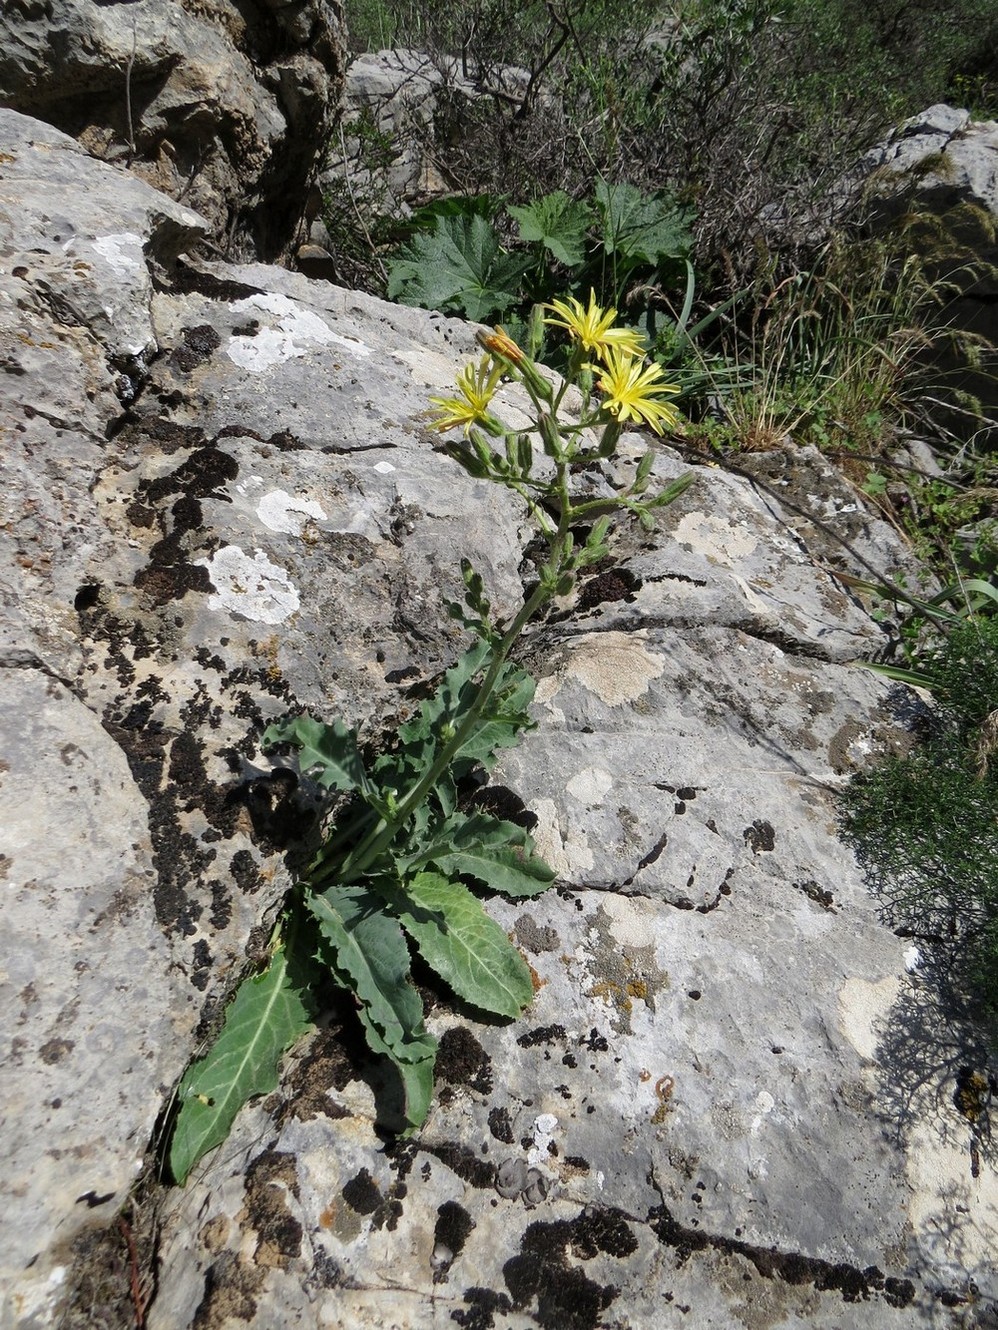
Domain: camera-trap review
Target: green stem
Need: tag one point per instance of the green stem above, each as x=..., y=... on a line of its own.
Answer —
x=376, y=841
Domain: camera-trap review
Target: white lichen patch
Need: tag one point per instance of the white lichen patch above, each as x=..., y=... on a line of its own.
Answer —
x=614, y=666
x=568, y=855
x=292, y=331
x=122, y=251
x=715, y=538
x=631, y=920
x=546, y=1128
x=590, y=785
x=280, y=511
x=253, y=588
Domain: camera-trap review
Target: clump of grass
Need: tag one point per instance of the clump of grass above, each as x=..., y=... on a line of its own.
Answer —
x=846, y=352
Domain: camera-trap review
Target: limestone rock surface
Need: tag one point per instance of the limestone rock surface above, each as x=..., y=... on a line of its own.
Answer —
x=226, y=106
x=731, y=1103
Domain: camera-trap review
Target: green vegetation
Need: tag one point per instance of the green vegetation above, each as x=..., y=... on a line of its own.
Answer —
x=404, y=857
x=616, y=241
x=926, y=824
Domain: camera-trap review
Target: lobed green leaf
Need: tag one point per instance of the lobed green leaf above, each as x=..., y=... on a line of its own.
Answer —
x=330, y=748
x=458, y=939
x=459, y=265
x=557, y=222
x=643, y=227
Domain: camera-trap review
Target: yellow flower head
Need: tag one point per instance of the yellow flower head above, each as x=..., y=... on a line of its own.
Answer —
x=476, y=384
x=634, y=391
x=593, y=328
x=499, y=343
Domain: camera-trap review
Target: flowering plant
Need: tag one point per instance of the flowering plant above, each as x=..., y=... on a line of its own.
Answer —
x=402, y=862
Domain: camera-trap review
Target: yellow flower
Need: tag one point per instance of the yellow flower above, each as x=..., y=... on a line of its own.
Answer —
x=477, y=386
x=593, y=328
x=634, y=391
x=499, y=343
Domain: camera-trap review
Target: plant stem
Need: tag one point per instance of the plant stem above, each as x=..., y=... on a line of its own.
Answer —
x=358, y=861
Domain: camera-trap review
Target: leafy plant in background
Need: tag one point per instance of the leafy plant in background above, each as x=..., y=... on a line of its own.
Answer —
x=925, y=825
x=402, y=863
x=619, y=243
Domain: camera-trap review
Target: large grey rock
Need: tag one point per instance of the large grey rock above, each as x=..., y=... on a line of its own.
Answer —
x=719, y=1111
x=399, y=108
x=96, y=1013
x=226, y=106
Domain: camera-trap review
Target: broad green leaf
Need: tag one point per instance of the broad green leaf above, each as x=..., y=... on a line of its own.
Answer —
x=331, y=748
x=458, y=939
x=641, y=226
x=459, y=265
x=370, y=957
x=268, y=1013
x=370, y=954
x=559, y=223
x=496, y=853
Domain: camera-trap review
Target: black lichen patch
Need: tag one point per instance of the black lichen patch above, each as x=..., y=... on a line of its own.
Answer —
x=170, y=574
x=331, y=1063
x=199, y=343
x=168, y=436
x=606, y=1231
x=465, y=1163
x=820, y=895
x=244, y=872
x=270, y=1178
x=543, y=1034
x=500, y=1125
x=450, y=1233
x=362, y=1193
x=567, y=1299
x=609, y=585
x=178, y=858
x=760, y=836
x=286, y=442
x=230, y=1292
x=461, y=1060
x=483, y=1306
x=853, y=1284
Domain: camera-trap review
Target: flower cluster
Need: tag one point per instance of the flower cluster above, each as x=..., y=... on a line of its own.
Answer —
x=618, y=386
x=632, y=389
